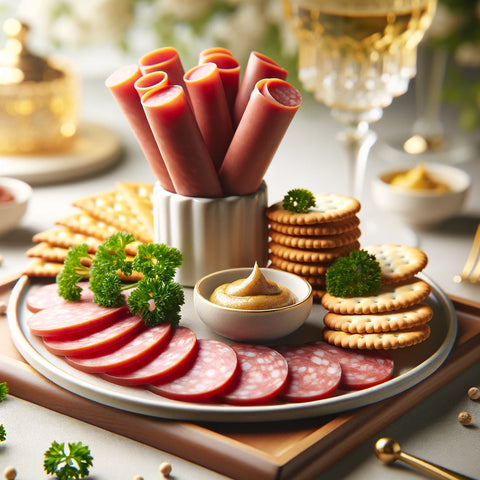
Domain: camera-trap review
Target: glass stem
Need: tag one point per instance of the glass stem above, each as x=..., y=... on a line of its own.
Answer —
x=357, y=139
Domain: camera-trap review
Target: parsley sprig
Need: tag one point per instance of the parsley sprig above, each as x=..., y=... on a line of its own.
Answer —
x=357, y=274
x=67, y=466
x=3, y=394
x=299, y=200
x=156, y=297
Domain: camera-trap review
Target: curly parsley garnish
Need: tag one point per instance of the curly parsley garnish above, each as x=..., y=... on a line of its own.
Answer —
x=156, y=297
x=68, y=466
x=299, y=200
x=356, y=275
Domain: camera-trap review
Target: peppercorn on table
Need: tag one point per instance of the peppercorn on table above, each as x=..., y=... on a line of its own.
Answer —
x=423, y=419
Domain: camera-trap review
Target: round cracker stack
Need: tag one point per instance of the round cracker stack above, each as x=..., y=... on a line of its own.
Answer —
x=308, y=243
x=395, y=317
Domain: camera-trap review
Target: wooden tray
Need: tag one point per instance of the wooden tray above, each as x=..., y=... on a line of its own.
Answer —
x=264, y=451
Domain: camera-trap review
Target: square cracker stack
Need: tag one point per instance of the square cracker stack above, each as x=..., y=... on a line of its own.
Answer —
x=127, y=208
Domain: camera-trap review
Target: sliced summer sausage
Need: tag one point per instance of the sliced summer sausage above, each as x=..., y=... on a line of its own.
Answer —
x=262, y=374
x=177, y=352
x=47, y=296
x=72, y=317
x=213, y=369
x=135, y=352
x=360, y=369
x=104, y=339
x=313, y=373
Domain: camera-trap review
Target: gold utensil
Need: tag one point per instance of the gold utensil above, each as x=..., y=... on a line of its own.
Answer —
x=471, y=270
x=388, y=450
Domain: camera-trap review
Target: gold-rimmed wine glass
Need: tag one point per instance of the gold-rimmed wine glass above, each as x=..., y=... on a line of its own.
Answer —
x=356, y=56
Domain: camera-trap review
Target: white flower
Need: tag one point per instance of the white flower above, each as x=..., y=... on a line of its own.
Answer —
x=78, y=23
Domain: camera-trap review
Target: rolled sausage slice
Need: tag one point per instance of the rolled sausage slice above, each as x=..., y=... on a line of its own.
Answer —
x=229, y=69
x=213, y=369
x=181, y=143
x=104, y=339
x=313, y=373
x=259, y=66
x=135, y=352
x=165, y=59
x=271, y=108
x=262, y=375
x=122, y=85
x=213, y=50
x=179, y=350
x=360, y=369
x=211, y=111
x=150, y=80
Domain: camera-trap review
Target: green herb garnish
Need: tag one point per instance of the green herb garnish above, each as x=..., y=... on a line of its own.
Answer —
x=299, y=200
x=356, y=275
x=156, y=297
x=3, y=390
x=67, y=466
x=3, y=433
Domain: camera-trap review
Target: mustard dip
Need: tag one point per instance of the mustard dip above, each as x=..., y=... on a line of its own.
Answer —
x=253, y=293
x=419, y=179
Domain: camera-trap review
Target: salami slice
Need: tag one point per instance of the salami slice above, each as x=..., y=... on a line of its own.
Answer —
x=72, y=317
x=107, y=338
x=213, y=369
x=263, y=373
x=47, y=296
x=178, y=351
x=135, y=352
x=360, y=369
x=313, y=373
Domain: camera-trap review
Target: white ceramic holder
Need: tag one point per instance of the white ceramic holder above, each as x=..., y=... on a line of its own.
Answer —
x=212, y=233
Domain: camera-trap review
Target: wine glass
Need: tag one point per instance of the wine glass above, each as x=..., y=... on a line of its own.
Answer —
x=355, y=56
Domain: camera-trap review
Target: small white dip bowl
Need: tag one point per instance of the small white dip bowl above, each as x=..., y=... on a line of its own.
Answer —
x=253, y=325
x=11, y=212
x=422, y=208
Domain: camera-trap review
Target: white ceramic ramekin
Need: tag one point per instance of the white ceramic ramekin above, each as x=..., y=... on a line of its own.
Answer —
x=212, y=233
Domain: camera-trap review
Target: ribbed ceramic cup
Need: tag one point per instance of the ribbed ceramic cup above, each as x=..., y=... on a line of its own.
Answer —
x=212, y=233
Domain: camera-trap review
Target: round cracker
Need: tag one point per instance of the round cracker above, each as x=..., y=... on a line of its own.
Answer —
x=398, y=262
x=299, y=268
x=312, y=256
x=378, y=341
x=329, y=207
x=389, y=298
x=317, y=229
x=317, y=242
x=380, y=322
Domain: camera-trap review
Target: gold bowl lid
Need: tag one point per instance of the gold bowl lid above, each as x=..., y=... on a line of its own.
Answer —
x=17, y=63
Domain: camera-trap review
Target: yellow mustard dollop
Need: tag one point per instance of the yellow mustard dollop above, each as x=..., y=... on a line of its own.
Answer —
x=419, y=178
x=253, y=293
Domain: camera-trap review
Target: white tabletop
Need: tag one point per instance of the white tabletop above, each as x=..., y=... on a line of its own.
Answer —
x=309, y=157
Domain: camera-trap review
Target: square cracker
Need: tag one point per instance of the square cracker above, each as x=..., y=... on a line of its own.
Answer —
x=113, y=209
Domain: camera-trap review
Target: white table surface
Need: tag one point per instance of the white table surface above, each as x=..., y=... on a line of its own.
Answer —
x=309, y=157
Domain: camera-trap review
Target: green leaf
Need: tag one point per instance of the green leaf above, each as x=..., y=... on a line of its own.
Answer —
x=73, y=272
x=299, y=200
x=3, y=390
x=357, y=274
x=3, y=433
x=71, y=465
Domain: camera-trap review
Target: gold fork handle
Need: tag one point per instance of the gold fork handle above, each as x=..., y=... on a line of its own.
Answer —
x=431, y=468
